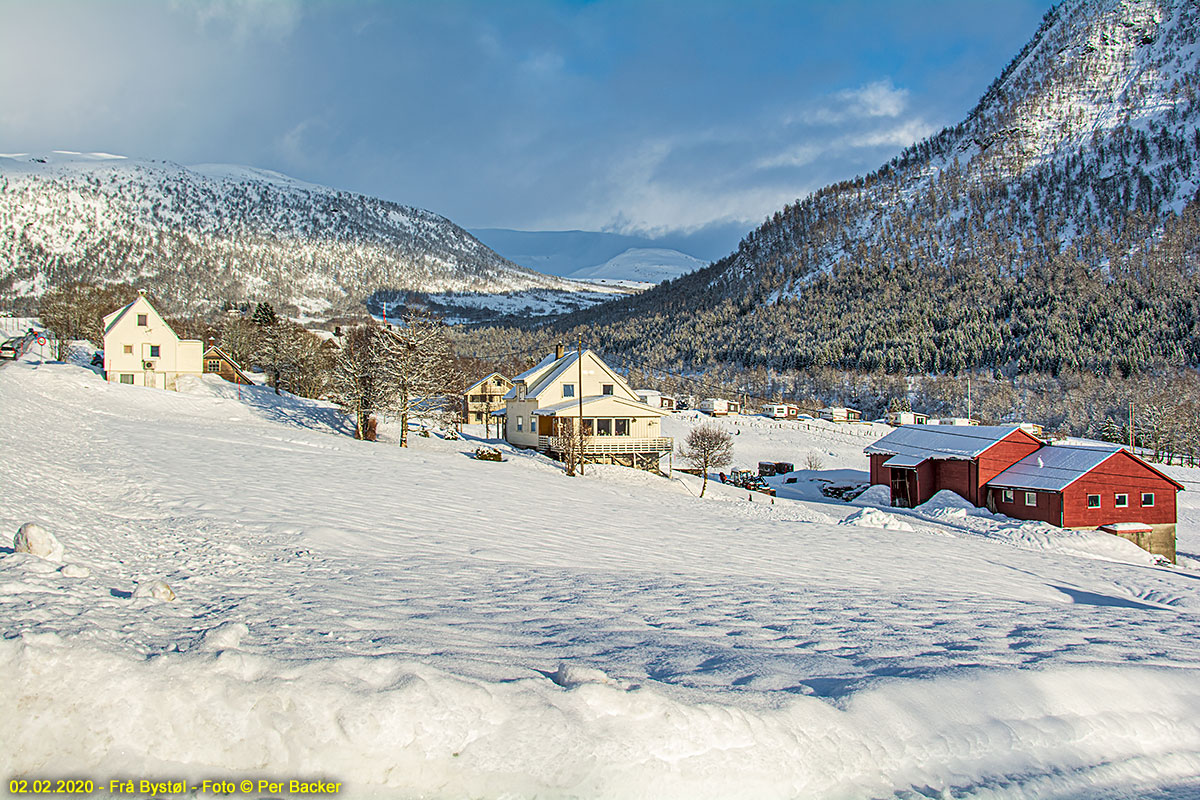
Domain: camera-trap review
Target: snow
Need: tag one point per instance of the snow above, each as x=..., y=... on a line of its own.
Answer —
x=874, y=518
x=645, y=264
x=35, y=540
x=419, y=623
x=1055, y=467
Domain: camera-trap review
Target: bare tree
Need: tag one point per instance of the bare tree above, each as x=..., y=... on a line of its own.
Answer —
x=707, y=447
x=77, y=311
x=568, y=440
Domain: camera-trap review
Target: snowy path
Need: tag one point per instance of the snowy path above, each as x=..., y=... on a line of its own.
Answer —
x=423, y=621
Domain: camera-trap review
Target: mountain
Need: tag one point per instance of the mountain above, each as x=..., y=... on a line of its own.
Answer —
x=642, y=264
x=567, y=253
x=1055, y=230
x=198, y=237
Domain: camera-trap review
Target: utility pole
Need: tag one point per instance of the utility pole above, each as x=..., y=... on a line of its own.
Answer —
x=969, y=417
x=1131, y=437
x=579, y=360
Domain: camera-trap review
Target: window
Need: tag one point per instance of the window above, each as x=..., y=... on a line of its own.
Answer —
x=1147, y=499
x=606, y=388
x=1008, y=495
x=129, y=349
x=520, y=391
x=212, y=365
x=154, y=351
x=604, y=427
x=621, y=427
x=589, y=427
x=142, y=320
x=1031, y=498
x=520, y=423
x=1093, y=501
x=568, y=390
x=1122, y=500
x=127, y=378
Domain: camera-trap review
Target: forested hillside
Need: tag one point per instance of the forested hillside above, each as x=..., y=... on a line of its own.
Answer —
x=1055, y=230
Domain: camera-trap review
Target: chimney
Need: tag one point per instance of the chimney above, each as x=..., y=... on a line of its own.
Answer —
x=559, y=351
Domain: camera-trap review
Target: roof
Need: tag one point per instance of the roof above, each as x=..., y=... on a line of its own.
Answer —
x=547, y=371
x=485, y=378
x=1055, y=467
x=572, y=405
x=961, y=442
x=214, y=349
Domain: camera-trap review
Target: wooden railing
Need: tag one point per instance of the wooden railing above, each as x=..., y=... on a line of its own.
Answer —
x=617, y=444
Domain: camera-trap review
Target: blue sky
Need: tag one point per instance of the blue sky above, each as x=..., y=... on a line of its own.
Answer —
x=636, y=117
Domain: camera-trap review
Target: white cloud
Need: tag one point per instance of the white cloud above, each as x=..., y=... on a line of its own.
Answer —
x=245, y=19
x=876, y=99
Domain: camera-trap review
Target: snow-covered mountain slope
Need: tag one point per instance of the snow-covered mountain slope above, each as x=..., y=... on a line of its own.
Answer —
x=1053, y=230
x=200, y=236
x=566, y=253
x=643, y=264
x=420, y=623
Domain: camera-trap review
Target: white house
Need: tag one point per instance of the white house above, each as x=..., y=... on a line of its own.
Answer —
x=140, y=349
x=957, y=421
x=567, y=390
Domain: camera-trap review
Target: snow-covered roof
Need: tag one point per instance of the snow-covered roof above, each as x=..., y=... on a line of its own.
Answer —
x=1055, y=467
x=483, y=380
x=937, y=441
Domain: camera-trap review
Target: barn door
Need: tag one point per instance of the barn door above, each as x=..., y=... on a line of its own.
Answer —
x=900, y=498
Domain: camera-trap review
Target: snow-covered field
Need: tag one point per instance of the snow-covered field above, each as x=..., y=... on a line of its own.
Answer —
x=416, y=623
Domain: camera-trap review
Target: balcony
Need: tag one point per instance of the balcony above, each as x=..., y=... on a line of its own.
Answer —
x=610, y=445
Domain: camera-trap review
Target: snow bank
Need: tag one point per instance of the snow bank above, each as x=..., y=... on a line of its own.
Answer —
x=386, y=727
x=35, y=540
x=877, y=495
x=874, y=518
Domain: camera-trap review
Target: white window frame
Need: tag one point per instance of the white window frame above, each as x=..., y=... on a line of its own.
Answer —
x=1089, y=501
x=1120, y=500
x=1008, y=496
x=127, y=378
x=1031, y=496
x=520, y=424
x=1144, y=496
x=607, y=388
x=568, y=390
x=143, y=320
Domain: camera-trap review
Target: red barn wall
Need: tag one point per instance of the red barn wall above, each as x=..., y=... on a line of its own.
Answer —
x=1121, y=473
x=955, y=476
x=1004, y=453
x=1049, y=506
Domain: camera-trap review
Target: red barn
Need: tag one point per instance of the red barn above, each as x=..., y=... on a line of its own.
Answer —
x=918, y=461
x=1091, y=486
x=1087, y=486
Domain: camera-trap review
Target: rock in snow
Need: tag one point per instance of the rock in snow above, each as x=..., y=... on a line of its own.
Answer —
x=37, y=541
x=157, y=590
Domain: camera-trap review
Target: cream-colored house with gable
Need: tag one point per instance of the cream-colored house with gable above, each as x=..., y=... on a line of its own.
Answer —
x=140, y=349
x=618, y=427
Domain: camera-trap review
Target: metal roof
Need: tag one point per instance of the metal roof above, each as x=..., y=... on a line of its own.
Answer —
x=959, y=442
x=1055, y=467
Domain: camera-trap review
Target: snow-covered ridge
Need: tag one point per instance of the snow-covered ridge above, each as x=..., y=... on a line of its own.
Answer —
x=643, y=264
x=201, y=236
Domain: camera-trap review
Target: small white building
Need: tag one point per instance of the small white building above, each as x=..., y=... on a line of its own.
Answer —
x=719, y=407
x=781, y=411
x=898, y=418
x=957, y=421
x=141, y=349
x=656, y=399
x=841, y=414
